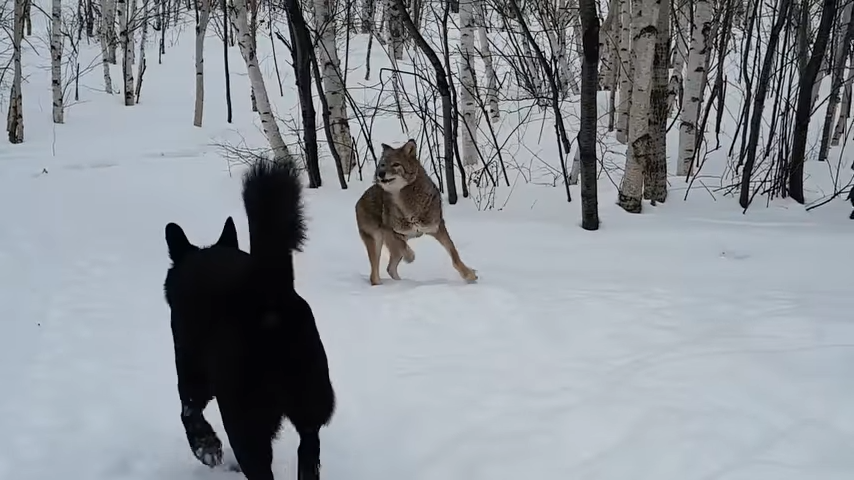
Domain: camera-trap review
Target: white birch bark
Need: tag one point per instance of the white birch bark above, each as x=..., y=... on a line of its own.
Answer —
x=133, y=24
x=143, y=37
x=333, y=82
x=468, y=107
x=108, y=28
x=837, y=79
x=609, y=56
x=694, y=80
x=845, y=112
x=644, y=23
x=682, y=34
x=395, y=29
x=56, y=61
x=104, y=33
x=489, y=67
x=626, y=72
x=127, y=52
x=201, y=29
x=15, y=117
x=238, y=13
x=558, y=33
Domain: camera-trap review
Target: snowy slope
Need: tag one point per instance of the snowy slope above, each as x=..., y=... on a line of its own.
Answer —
x=687, y=343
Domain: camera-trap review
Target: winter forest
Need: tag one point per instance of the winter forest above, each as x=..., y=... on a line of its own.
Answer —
x=649, y=202
x=740, y=99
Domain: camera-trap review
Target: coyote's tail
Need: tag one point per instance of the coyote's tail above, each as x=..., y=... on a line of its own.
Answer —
x=272, y=197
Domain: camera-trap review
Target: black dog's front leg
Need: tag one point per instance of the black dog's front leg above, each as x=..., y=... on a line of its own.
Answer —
x=195, y=393
x=250, y=432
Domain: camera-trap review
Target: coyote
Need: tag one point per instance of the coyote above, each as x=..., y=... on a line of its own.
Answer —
x=403, y=203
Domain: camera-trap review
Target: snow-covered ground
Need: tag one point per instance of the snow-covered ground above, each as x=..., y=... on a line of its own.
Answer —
x=690, y=342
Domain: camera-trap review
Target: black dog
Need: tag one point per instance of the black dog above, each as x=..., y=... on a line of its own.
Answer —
x=243, y=335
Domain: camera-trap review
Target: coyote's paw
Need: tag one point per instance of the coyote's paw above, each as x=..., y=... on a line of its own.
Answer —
x=470, y=275
x=409, y=255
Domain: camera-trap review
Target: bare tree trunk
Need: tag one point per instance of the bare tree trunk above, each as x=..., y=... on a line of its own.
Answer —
x=589, y=116
x=225, y=29
x=802, y=114
x=146, y=17
x=845, y=112
x=395, y=33
x=626, y=73
x=655, y=169
x=333, y=82
x=238, y=13
x=644, y=29
x=368, y=14
x=843, y=50
x=700, y=43
x=468, y=84
x=56, y=61
x=203, y=15
x=759, y=101
x=684, y=31
x=15, y=118
x=444, y=92
x=108, y=28
x=127, y=53
x=491, y=76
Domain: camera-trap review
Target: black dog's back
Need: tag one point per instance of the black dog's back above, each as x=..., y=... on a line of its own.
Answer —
x=243, y=335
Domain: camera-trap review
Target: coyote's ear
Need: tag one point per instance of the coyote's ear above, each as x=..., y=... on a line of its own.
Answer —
x=228, y=237
x=409, y=147
x=385, y=147
x=177, y=242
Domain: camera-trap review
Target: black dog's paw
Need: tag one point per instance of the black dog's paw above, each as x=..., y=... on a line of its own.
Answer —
x=208, y=449
x=233, y=467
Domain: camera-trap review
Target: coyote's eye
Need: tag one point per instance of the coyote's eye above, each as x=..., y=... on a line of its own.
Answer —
x=394, y=165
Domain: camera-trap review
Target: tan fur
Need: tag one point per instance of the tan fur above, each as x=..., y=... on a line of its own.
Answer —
x=403, y=203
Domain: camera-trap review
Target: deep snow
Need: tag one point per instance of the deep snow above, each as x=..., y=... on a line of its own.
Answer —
x=690, y=342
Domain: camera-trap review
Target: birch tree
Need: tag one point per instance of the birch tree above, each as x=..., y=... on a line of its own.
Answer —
x=238, y=14
x=644, y=30
x=486, y=55
x=395, y=29
x=15, y=118
x=468, y=90
x=146, y=16
x=127, y=51
x=334, y=89
x=683, y=32
x=202, y=19
x=694, y=80
x=108, y=28
x=56, y=40
x=845, y=112
x=843, y=51
x=626, y=72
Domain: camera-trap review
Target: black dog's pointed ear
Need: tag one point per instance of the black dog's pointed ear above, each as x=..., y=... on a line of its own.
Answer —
x=177, y=242
x=228, y=237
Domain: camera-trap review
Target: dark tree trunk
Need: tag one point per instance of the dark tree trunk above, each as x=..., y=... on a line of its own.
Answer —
x=802, y=114
x=444, y=92
x=759, y=101
x=589, y=115
x=301, y=52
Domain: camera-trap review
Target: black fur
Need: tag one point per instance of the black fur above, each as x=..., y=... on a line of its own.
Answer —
x=244, y=336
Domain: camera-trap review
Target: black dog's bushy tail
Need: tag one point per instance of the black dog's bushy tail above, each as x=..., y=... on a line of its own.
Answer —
x=272, y=197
